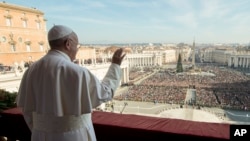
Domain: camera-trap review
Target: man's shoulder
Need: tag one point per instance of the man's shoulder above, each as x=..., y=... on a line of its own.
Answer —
x=75, y=67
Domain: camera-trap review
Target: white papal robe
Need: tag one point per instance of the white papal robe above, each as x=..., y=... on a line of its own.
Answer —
x=58, y=96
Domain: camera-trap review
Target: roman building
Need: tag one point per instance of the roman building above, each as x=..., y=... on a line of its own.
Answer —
x=23, y=34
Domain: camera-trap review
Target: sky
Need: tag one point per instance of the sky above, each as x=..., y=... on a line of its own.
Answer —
x=149, y=21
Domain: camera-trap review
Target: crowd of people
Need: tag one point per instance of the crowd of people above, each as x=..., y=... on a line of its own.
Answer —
x=137, y=72
x=227, y=88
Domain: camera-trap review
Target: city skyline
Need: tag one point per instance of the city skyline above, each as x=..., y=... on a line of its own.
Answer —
x=149, y=21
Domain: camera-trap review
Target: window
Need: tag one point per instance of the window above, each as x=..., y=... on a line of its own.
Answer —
x=8, y=18
x=8, y=22
x=24, y=20
x=3, y=39
x=28, y=43
x=38, y=25
x=41, y=47
x=28, y=48
x=25, y=24
x=13, y=47
x=38, y=22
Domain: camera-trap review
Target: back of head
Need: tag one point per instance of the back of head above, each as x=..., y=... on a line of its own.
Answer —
x=57, y=34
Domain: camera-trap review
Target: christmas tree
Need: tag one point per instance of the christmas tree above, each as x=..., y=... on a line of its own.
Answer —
x=179, y=67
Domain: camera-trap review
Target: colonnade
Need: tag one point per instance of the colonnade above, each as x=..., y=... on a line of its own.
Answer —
x=239, y=61
x=144, y=60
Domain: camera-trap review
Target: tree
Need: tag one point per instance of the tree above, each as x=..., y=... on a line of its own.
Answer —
x=179, y=67
x=7, y=100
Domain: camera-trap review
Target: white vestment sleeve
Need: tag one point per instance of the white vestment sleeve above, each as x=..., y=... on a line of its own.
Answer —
x=113, y=77
x=104, y=91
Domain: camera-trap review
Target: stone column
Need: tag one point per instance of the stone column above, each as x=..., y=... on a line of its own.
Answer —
x=124, y=75
x=247, y=65
x=143, y=61
x=240, y=61
x=244, y=62
x=133, y=61
x=236, y=62
x=127, y=74
x=229, y=61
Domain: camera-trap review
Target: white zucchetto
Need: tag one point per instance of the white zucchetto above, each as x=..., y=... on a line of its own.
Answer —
x=58, y=31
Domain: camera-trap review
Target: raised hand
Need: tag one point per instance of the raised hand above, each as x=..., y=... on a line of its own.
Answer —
x=118, y=56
